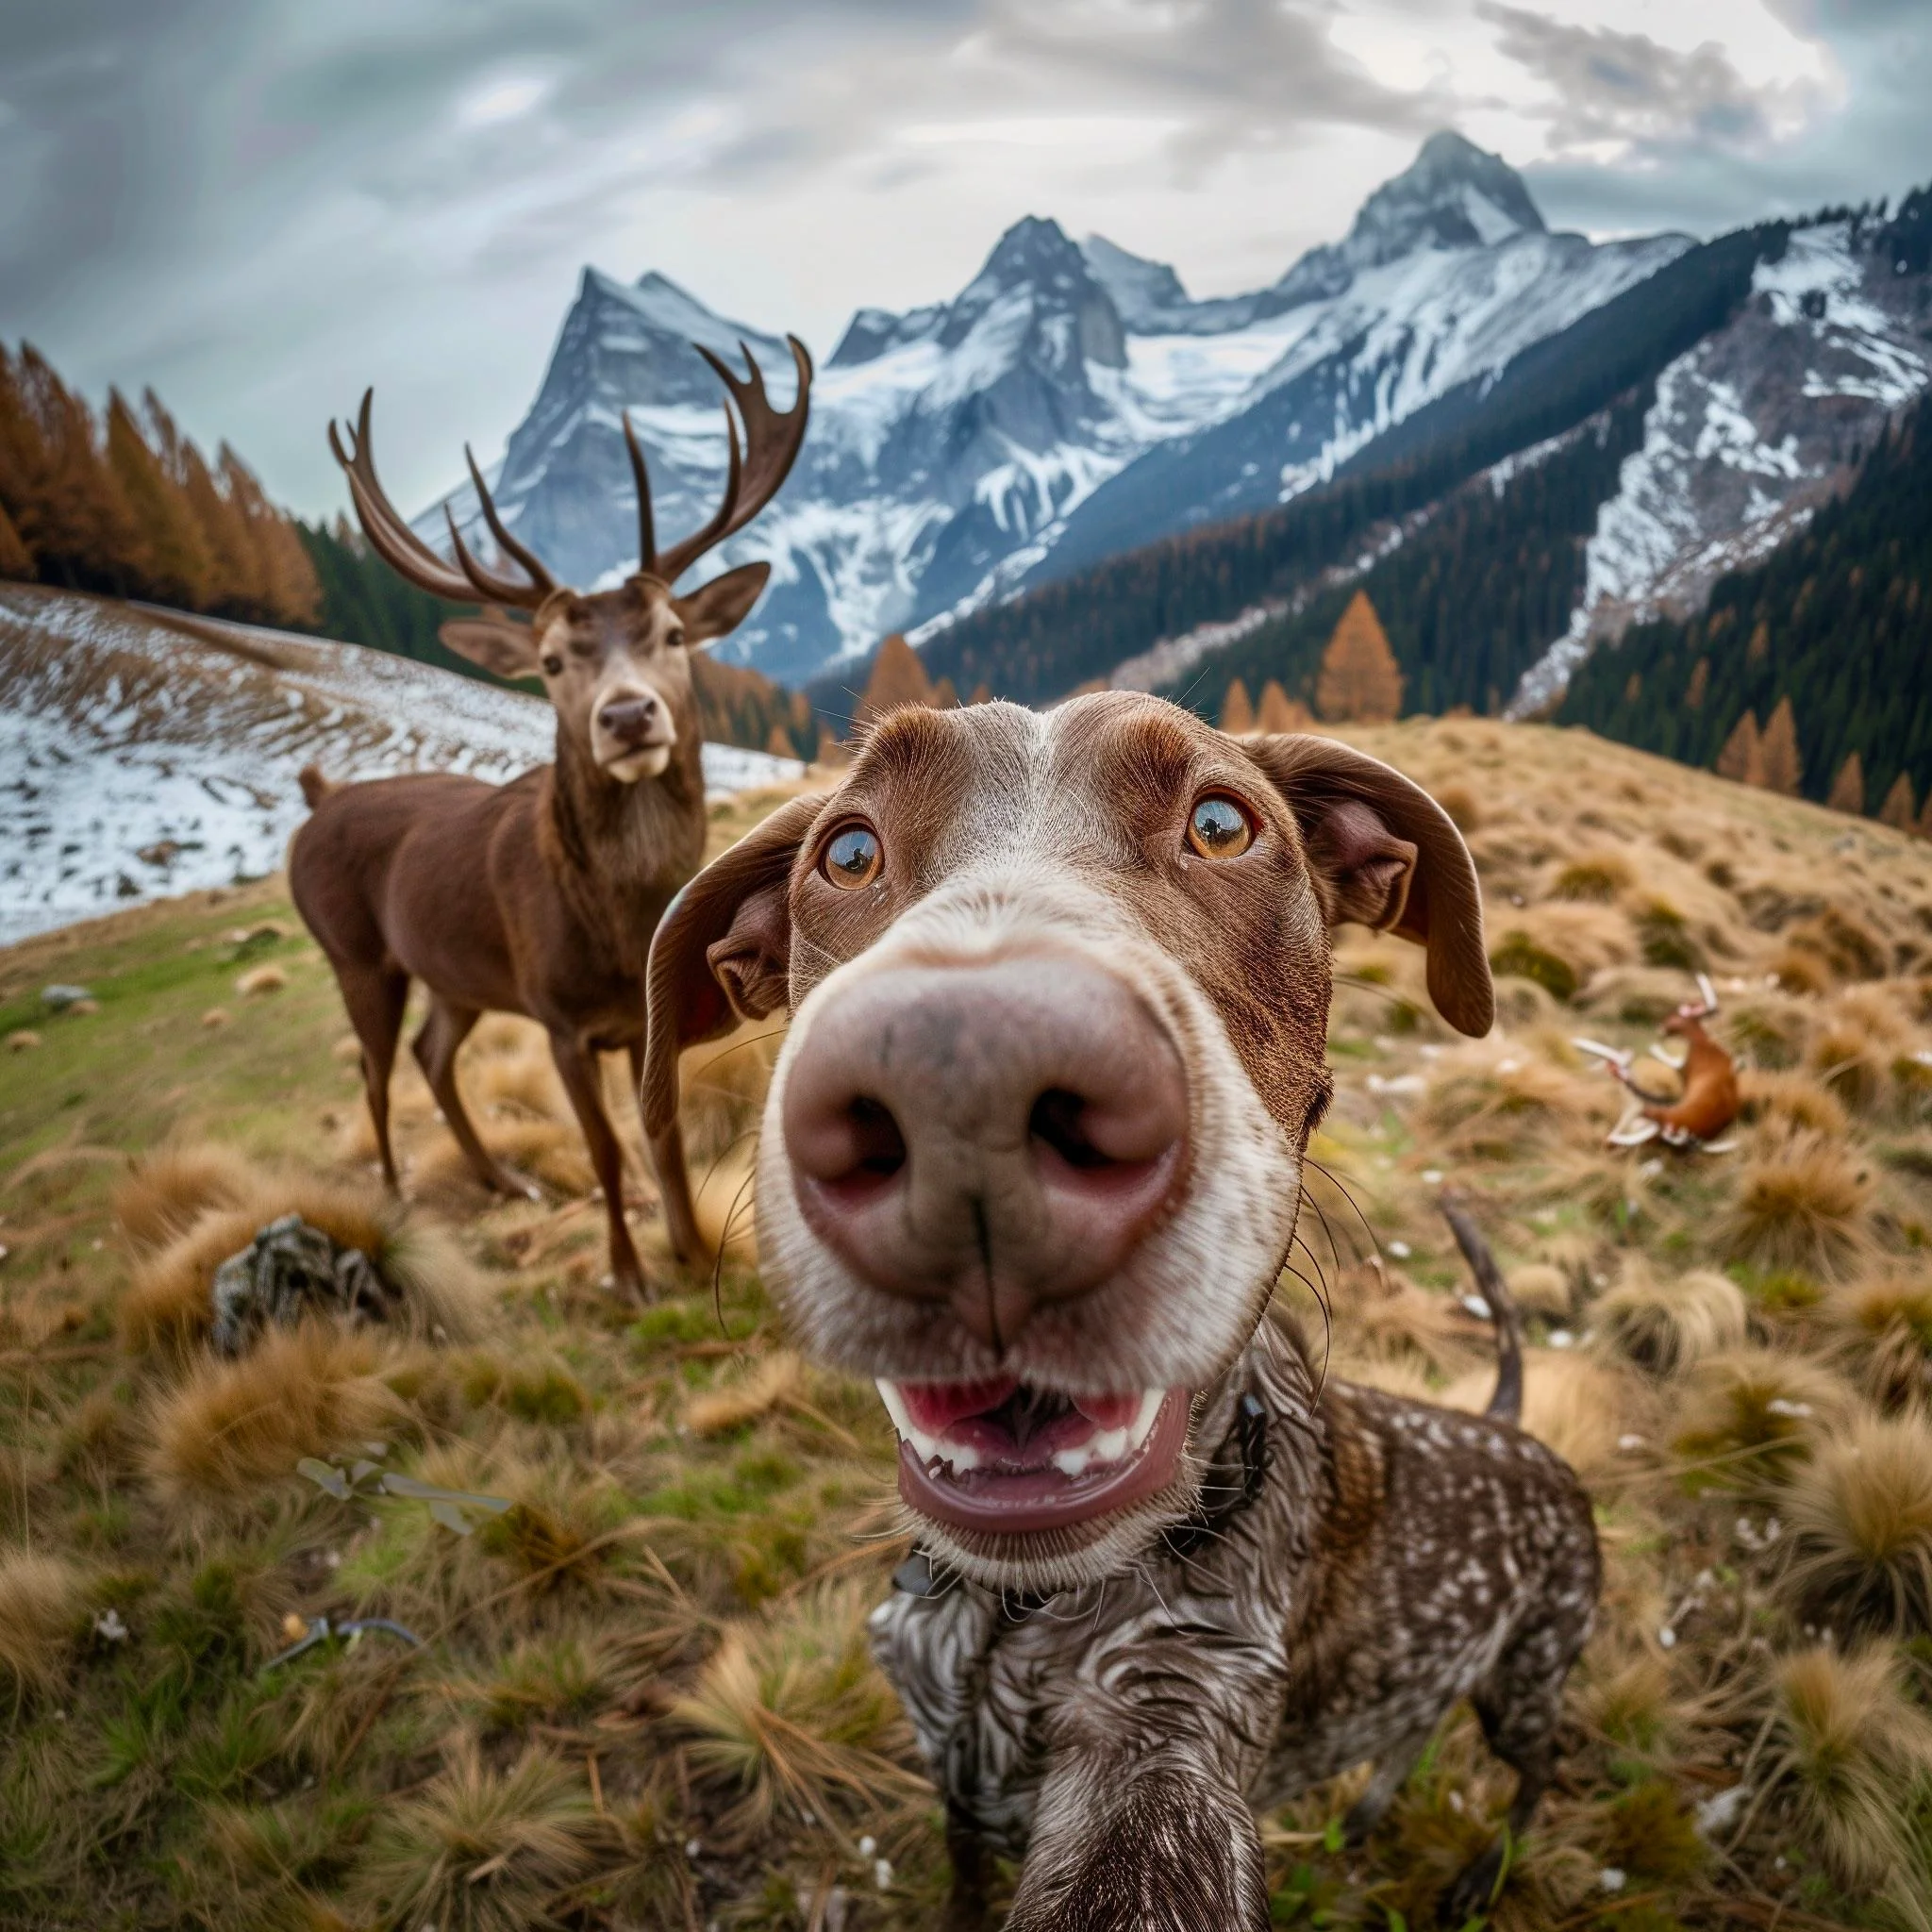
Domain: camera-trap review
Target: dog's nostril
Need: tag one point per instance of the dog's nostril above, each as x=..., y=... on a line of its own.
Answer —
x=879, y=1144
x=1056, y=1119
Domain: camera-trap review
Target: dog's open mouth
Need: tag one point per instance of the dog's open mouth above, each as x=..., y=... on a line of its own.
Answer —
x=1004, y=1455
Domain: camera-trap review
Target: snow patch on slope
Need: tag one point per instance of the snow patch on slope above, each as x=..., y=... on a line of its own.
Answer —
x=1750, y=431
x=136, y=760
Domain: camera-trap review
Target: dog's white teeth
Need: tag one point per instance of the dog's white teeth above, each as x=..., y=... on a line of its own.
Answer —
x=1141, y=1426
x=924, y=1447
x=1109, y=1446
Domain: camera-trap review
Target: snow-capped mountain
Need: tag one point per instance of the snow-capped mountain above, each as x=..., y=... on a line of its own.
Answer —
x=1751, y=430
x=1072, y=399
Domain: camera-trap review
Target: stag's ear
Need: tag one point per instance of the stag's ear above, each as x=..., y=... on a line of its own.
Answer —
x=719, y=606
x=497, y=644
x=1384, y=853
x=722, y=951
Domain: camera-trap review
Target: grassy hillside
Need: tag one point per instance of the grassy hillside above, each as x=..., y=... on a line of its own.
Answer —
x=642, y=1698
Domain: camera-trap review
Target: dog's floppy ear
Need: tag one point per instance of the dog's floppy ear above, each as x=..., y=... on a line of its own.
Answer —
x=1384, y=853
x=721, y=952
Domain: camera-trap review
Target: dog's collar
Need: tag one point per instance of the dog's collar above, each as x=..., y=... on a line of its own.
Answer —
x=917, y=1577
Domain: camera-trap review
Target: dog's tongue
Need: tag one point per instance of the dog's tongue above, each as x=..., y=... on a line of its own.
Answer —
x=935, y=1407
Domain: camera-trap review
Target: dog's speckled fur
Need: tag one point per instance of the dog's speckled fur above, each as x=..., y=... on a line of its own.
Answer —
x=1101, y=1704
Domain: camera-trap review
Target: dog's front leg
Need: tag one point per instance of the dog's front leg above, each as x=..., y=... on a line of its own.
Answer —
x=1141, y=1842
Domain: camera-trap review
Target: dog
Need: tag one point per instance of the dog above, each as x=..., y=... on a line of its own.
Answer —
x=1058, y=987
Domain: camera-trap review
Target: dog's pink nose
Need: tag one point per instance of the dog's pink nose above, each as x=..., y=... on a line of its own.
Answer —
x=992, y=1136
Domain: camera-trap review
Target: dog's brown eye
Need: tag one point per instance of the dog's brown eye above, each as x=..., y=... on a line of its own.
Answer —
x=1220, y=828
x=553, y=665
x=852, y=857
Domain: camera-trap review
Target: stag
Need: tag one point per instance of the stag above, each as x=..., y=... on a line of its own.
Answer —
x=1709, y=1101
x=540, y=896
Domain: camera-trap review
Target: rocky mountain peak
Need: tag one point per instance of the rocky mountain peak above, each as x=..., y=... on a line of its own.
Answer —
x=1453, y=195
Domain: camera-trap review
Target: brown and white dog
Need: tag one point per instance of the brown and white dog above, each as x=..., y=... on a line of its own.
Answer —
x=1059, y=993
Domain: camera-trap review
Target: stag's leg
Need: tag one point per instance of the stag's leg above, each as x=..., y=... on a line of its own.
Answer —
x=376, y=999
x=672, y=1174
x=577, y=1065
x=434, y=1047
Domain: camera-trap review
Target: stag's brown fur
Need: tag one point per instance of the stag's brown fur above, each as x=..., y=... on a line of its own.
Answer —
x=540, y=897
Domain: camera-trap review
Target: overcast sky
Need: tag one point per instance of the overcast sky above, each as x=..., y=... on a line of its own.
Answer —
x=259, y=206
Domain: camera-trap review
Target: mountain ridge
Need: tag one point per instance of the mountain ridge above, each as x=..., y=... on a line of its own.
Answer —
x=956, y=447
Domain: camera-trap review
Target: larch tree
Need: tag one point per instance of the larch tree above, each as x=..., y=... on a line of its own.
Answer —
x=1898, y=810
x=16, y=559
x=1782, y=768
x=1741, y=759
x=1237, y=710
x=1848, y=788
x=898, y=677
x=1360, y=681
x=179, y=568
x=1278, y=711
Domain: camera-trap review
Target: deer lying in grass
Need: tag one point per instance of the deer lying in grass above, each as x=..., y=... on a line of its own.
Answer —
x=1709, y=1101
x=540, y=896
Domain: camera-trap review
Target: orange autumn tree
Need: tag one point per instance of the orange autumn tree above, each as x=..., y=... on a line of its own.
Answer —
x=1278, y=711
x=1778, y=750
x=1237, y=712
x=898, y=677
x=1360, y=681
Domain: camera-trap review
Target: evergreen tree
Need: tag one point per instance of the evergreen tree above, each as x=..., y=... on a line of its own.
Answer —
x=1236, y=713
x=1741, y=759
x=1848, y=788
x=1897, y=811
x=1781, y=768
x=1359, y=681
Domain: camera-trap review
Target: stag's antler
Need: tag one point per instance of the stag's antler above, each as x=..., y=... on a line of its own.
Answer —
x=771, y=441
x=407, y=554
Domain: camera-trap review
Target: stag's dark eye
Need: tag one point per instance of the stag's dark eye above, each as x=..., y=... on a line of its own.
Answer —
x=852, y=857
x=675, y=636
x=1220, y=828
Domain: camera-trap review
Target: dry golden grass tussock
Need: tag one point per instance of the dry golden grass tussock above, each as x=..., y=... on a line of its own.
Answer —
x=1596, y=875
x=797, y=1713
x=167, y=1307
x=1767, y=1027
x=549, y=1150
x=1793, y=1102
x=1847, y=1743
x=1800, y=1203
x=1539, y=1289
x=1665, y=1325
x=232, y=1430
x=1753, y=1413
x=1860, y=1514
x=1884, y=1323
x=1490, y=1104
x=42, y=1603
x=259, y=981
x=1852, y=1051
x=481, y=1850
x=166, y=1191
x=773, y=1382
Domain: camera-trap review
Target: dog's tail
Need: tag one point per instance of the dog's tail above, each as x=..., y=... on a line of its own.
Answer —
x=315, y=788
x=1506, y=1404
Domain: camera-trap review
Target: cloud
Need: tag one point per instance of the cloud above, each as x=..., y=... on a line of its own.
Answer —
x=259, y=205
x=1626, y=91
